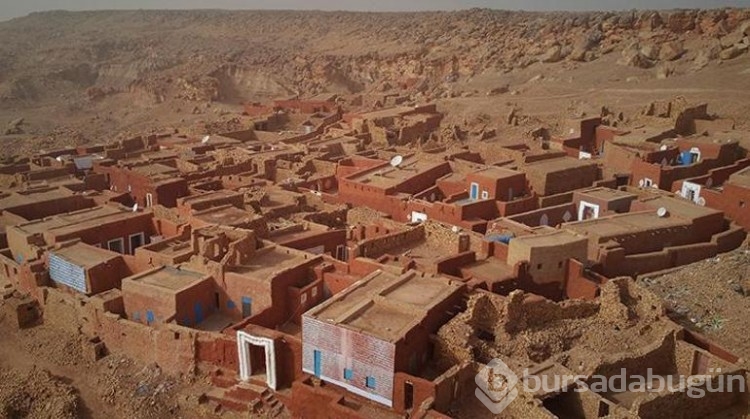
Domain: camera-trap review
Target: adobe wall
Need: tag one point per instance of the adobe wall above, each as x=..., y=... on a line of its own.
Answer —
x=555, y=215
x=376, y=247
x=422, y=390
x=452, y=264
x=681, y=404
x=659, y=357
x=171, y=347
x=577, y=285
x=452, y=385
x=102, y=233
x=38, y=210
x=309, y=400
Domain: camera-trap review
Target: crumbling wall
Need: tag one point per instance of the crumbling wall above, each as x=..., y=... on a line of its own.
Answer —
x=376, y=247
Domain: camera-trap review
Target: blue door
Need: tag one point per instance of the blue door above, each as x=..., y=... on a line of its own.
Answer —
x=317, y=361
x=247, y=306
x=474, y=192
x=149, y=316
x=198, y=310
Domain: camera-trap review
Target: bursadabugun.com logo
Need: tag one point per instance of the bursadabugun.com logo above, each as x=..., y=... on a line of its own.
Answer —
x=498, y=386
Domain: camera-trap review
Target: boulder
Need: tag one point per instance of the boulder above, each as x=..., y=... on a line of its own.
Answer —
x=671, y=51
x=553, y=55
x=636, y=59
x=745, y=28
x=731, y=52
x=14, y=127
x=664, y=71
x=650, y=51
x=681, y=21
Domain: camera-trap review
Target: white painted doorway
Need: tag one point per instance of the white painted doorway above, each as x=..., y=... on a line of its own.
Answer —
x=246, y=343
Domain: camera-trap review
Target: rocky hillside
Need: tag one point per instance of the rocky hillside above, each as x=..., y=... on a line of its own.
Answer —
x=218, y=55
x=70, y=61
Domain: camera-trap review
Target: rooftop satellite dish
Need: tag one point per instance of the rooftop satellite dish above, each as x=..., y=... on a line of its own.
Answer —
x=701, y=201
x=641, y=183
x=397, y=160
x=455, y=229
x=206, y=139
x=663, y=147
x=135, y=207
x=59, y=158
x=662, y=212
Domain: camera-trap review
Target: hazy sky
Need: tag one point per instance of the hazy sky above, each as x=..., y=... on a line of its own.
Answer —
x=15, y=8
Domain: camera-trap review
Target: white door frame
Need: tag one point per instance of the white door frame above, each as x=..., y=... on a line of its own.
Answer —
x=582, y=208
x=688, y=187
x=245, y=339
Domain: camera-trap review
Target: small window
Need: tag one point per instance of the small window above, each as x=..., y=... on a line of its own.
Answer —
x=485, y=195
x=137, y=316
x=742, y=204
x=315, y=292
x=348, y=374
x=304, y=298
x=370, y=382
x=539, y=266
x=230, y=305
x=559, y=264
x=115, y=245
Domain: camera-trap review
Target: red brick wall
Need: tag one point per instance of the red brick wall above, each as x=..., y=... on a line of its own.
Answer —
x=345, y=348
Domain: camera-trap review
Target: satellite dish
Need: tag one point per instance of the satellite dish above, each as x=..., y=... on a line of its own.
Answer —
x=701, y=201
x=663, y=147
x=455, y=229
x=135, y=207
x=59, y=158
x=397, y=160
x=641, y=183
x=206, y=139
x=662, y=212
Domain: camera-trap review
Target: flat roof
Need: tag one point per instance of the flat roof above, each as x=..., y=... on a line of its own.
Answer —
x=228, y=215
x=167, y=278
x=385, y=305
x=18, y=198
x=619, y=224
x=678, y=206
x=557, y=164
x=388, y=176
x=84, y=255
x=496, y=172
x=78, y=219
x=269, y=260
x=606, y=193
x=154, y=169
x=387, y=113
x=741, y=178
x=553, y=238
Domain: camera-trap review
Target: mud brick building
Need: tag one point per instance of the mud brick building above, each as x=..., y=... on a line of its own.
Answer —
x=397, y=126
x=166, y=294
x=726, y=188
x=558, y=175
x=86, y=269
x=111, y=227
x=362, y=337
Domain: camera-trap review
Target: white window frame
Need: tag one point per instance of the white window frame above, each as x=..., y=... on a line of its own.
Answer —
x=122, y=245
x=130, y=241
x=149, y=200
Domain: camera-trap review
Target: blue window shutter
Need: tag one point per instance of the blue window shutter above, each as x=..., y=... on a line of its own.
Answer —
x=149, y=316
x=348, y=374
x=370, y=382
